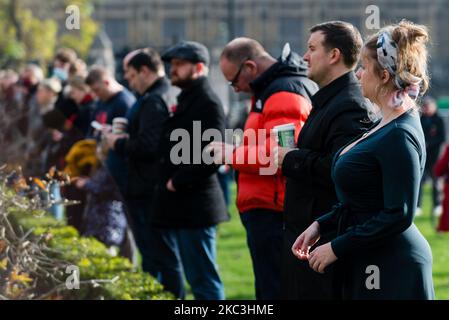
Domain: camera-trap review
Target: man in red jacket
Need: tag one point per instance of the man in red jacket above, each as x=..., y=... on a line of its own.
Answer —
x=281, y=93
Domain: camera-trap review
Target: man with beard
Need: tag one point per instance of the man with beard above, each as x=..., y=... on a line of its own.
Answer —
x=188, y=201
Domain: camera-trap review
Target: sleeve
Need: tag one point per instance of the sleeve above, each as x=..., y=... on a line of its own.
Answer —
x=441, y=168
x=120, y=108
x=280, y=108
x=329, y=221
x=400, y=166
x=311, y=165
x=145, y=145
x=189, y=175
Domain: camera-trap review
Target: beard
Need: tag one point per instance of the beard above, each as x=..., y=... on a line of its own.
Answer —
x=182, y=82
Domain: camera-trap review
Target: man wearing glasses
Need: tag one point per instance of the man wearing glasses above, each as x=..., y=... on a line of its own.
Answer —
x=280, y=94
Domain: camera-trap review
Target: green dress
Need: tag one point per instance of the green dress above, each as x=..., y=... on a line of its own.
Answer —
x=381, y=254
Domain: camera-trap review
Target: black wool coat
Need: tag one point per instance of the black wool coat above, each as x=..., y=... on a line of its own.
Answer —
x=339, y=113
x=198, y=201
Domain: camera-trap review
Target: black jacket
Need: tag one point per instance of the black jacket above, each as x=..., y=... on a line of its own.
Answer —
x=198, y=200
x=141, y=149
x=435, y=135
x=339, y=113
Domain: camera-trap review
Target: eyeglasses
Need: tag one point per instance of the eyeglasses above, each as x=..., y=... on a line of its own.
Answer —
x=234, y=80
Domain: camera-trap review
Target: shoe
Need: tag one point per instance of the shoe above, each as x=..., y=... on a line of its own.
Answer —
x=438, y=211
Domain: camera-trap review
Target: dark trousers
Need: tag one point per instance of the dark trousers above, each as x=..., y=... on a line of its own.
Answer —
x=428, y=173
x=299, y=281
x=139, y=211
x=264, y=238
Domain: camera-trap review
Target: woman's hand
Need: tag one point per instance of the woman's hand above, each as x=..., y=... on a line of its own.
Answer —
x=322, y=257
x=307, y=239
x=170, y=187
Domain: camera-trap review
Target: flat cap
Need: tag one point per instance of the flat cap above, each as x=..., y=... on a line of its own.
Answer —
x=188, y=50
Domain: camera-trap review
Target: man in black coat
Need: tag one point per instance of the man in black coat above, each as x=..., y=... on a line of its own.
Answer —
x=434, y=132
x=338, y=115
x=145, y=74
x=189, y=202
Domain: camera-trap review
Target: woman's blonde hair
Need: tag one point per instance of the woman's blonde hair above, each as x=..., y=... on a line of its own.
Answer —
x=412, y=55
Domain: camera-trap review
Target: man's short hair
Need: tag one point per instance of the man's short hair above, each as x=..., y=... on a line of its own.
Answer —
x=78, y=82
x=147, y=57
x=96, y=74
x=240, y=49
x=66, y=55
x=428, y=100
x=342, y=36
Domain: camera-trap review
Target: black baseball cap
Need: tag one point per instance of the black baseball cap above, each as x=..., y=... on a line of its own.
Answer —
x=188, y=50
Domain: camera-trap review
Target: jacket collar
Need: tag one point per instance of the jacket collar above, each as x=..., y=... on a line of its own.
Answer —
x=192, y=88
x=290, y=66
x=328, y=92
x=189, y=93
x=156, y=84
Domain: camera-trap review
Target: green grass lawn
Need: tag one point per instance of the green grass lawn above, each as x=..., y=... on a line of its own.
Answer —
x=234, y=259
x=440, y=248
x=235, y=263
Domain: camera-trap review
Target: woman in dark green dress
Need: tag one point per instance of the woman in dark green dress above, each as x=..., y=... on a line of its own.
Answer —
x=379, y=253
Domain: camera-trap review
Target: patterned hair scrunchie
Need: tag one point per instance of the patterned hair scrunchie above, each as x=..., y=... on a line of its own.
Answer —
x=387, y=55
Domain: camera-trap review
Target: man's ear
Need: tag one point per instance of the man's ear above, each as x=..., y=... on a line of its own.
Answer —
x=252, y=66
x=335, y=55
x=145, y=71
x=200, y=68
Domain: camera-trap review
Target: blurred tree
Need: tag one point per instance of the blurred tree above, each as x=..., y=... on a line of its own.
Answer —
x=81, y=39
x=28, y=34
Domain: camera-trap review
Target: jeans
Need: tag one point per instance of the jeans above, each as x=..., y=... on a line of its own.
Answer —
x=192, y=251
x=264, y=237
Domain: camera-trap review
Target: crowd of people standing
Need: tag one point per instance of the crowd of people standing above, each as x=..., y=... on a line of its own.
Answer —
x=342, y=199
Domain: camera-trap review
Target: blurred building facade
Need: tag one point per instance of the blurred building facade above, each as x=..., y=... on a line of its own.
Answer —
x=130, y=24
x=161, y=23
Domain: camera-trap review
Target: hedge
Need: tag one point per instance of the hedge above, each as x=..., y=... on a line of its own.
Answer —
x=93, y=260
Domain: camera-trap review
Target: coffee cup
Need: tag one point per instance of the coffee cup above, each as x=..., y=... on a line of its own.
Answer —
x=285, y=135
x=119, y=125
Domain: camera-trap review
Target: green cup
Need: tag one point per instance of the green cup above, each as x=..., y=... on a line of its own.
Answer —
x=285, y=135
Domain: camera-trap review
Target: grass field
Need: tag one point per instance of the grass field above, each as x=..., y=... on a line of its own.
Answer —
x=235, y=263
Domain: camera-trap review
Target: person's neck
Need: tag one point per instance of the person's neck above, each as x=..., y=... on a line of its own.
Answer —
x=114, y=89
x=149, y=83
x=389, y=113
x=264, y=63
x=333, y=74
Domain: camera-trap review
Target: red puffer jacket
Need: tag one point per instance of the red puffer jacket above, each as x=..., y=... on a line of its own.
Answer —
x=281, y=96
x=256, y=190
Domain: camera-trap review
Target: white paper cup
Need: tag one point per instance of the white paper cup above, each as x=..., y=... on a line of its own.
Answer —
x=119, y=125
x=285, y=135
